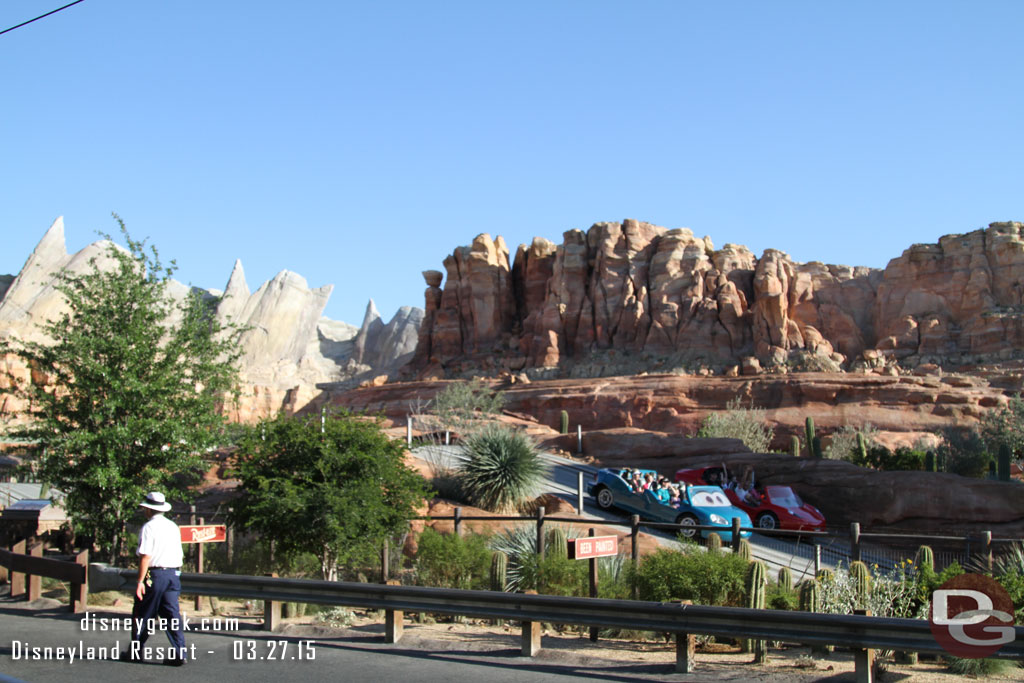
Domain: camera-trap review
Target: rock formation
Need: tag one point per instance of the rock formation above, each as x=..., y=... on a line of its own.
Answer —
x=288, y=347
x=672, y=301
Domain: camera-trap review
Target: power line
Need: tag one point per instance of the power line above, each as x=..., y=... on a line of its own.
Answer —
x=41, y=16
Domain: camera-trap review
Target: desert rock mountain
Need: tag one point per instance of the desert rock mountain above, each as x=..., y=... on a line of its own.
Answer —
x=670, y=300
x=287, y=350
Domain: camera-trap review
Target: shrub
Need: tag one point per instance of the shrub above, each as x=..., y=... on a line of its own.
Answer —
x=844, y=442
x=746, y=424
x=503, y=468
x=881, y=458
x=555, y=574
x=964, y=453
x=890, y=596
x=452, y=561
x=705, y=578
x=1005, y=426
x=461, y=406
x=980, y=668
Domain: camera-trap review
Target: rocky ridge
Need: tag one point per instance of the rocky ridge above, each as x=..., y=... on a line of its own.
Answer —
x=288, y=347
x=672, y=301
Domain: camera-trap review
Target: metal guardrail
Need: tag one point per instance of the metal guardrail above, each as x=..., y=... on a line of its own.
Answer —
x=860, y=633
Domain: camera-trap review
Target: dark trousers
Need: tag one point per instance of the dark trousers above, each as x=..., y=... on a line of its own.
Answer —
x=160, y=600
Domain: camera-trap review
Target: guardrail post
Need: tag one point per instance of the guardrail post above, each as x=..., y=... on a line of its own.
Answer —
x=579, y=492
x=408, y=431
x=864, y=660
x=854, y=541
x=447, y=438
x=80, y=591
x=35, y=586
x=579, y=439
x=540, y=531
x=531, y=635
x=271, y=611
x=394, y=620
x=634, y=537
x=17, y=578
x=457, y=521
x=736, y=534
x=986, y=548
x=686, y=648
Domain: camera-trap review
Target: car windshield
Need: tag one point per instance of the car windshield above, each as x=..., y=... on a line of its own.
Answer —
x=709, y=498
x=783, y=496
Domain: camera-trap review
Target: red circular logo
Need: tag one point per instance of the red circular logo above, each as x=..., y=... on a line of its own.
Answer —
x=971, y=616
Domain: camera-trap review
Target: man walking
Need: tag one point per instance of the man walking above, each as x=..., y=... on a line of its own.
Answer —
x=159, y=584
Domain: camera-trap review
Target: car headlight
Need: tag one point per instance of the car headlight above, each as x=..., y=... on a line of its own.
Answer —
x=718, y=519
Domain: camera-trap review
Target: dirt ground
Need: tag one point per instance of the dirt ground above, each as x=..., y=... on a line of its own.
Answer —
x=640, y=657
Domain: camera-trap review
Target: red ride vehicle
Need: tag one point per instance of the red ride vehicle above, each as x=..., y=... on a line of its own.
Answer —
x=771, y=507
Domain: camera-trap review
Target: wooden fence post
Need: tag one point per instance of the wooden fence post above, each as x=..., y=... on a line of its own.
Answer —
x=531, y=635
x=817, y=558
x=986, y=548
x=35, y=586
x=736, y=537
x=855, y=541
x=540, y=531
x=457, y=521
x=864, y=660
x=80, y=591
x=199, y=566
x=17, y=578
x=271, y=611
x=394, y=620
x=634, y=537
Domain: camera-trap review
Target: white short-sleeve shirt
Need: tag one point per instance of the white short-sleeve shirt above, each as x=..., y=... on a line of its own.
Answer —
x=160, y=538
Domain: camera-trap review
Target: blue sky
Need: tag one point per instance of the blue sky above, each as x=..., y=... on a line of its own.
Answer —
x=358, y=143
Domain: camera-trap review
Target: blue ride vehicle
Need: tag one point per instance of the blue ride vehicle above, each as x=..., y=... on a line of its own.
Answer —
x=699, y=505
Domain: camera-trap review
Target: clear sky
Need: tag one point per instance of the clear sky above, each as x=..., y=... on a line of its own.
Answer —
x=358, y=143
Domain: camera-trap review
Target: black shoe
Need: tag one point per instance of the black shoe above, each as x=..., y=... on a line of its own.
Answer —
x=177, y=661
x=126, y=656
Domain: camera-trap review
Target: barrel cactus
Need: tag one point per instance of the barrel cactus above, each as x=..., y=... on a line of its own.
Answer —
x=558, y=542
x=785, y=579
x=563, y=422
x=810, y=596
x=924, y=558
x=794, y=445
x=825, y=576
x=755, y=589
x=746, y=551
x=714, y=542
x=499, y=571
x=809, y=435
x=862, y=448
x=860, y=577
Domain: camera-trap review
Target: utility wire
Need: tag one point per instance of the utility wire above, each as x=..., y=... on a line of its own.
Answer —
x=41, y=16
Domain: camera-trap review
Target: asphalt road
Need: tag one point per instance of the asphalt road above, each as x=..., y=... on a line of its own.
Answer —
x=223, y=656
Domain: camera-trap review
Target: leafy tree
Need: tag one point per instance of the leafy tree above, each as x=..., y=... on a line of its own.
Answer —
x=1005, y=425
x=336, y=494
x=964, y=452
x=134, y=383
x=736, y=422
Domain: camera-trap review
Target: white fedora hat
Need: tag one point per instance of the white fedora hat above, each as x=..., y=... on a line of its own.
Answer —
x=156, y=501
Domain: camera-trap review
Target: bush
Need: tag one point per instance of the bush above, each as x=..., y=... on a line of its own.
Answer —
x=503, y=468
x=556, y=574
x=780, y=598
x=980, y=668
x=462, y=405
x=964, y=453
x=1005, y=425
x=881, y=458
x=745, y=424
x=451, y=561
x=843, y=445
x=705, y=578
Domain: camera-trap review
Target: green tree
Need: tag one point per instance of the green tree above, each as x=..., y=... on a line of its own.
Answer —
x=134, y=384
x=336, y=494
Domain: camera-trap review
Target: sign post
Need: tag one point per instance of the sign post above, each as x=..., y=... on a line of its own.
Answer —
x=200, y=534
x=591, y=548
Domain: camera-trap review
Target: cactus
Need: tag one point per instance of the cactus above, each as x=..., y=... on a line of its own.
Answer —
x=860, y=575
x=862, y=448
x=563, y=424
x=499, y=571
x=810, y=596
x=785, y=579
x=924, y=558
x=558, y=542
x=755, y=587
x=1004, y=462
x=992, y=469
x=825, y=576
x=817, y=447
x=714, y=542
x=746, y=551
x=809, y=435
x=794, y=445
x=929, y=462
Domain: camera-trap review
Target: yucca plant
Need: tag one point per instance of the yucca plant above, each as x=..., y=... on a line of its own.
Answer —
x=503, y=468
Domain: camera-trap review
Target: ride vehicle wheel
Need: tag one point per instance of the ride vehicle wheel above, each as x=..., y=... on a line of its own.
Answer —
x=689, y=523
x=767, y=520
x=605, y=499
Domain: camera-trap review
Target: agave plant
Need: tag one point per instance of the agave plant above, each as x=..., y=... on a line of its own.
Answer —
x=503, y=468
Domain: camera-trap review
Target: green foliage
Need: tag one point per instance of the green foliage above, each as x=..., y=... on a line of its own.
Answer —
x=517, y=543
x=1005, y=426
x=929, y=462
x=555, y=574
x=704, y=578
x=503, y=468
x=335, y=494
x=461, y=407
x=452, y=561
x=557, y=542
x=139, y=380
x=963, y=453
x=563, y=423
x=1004, y=462
x=881, y=458
x=780, y=598
x=746, y=424
x=924, y=557
x=980, y=668
x=845, y=443
x=885, y=594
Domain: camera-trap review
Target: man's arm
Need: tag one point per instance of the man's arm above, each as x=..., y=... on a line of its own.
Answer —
x=140, y=588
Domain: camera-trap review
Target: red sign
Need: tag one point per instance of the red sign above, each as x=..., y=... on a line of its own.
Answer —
x=208, y=533
x=596, y=546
